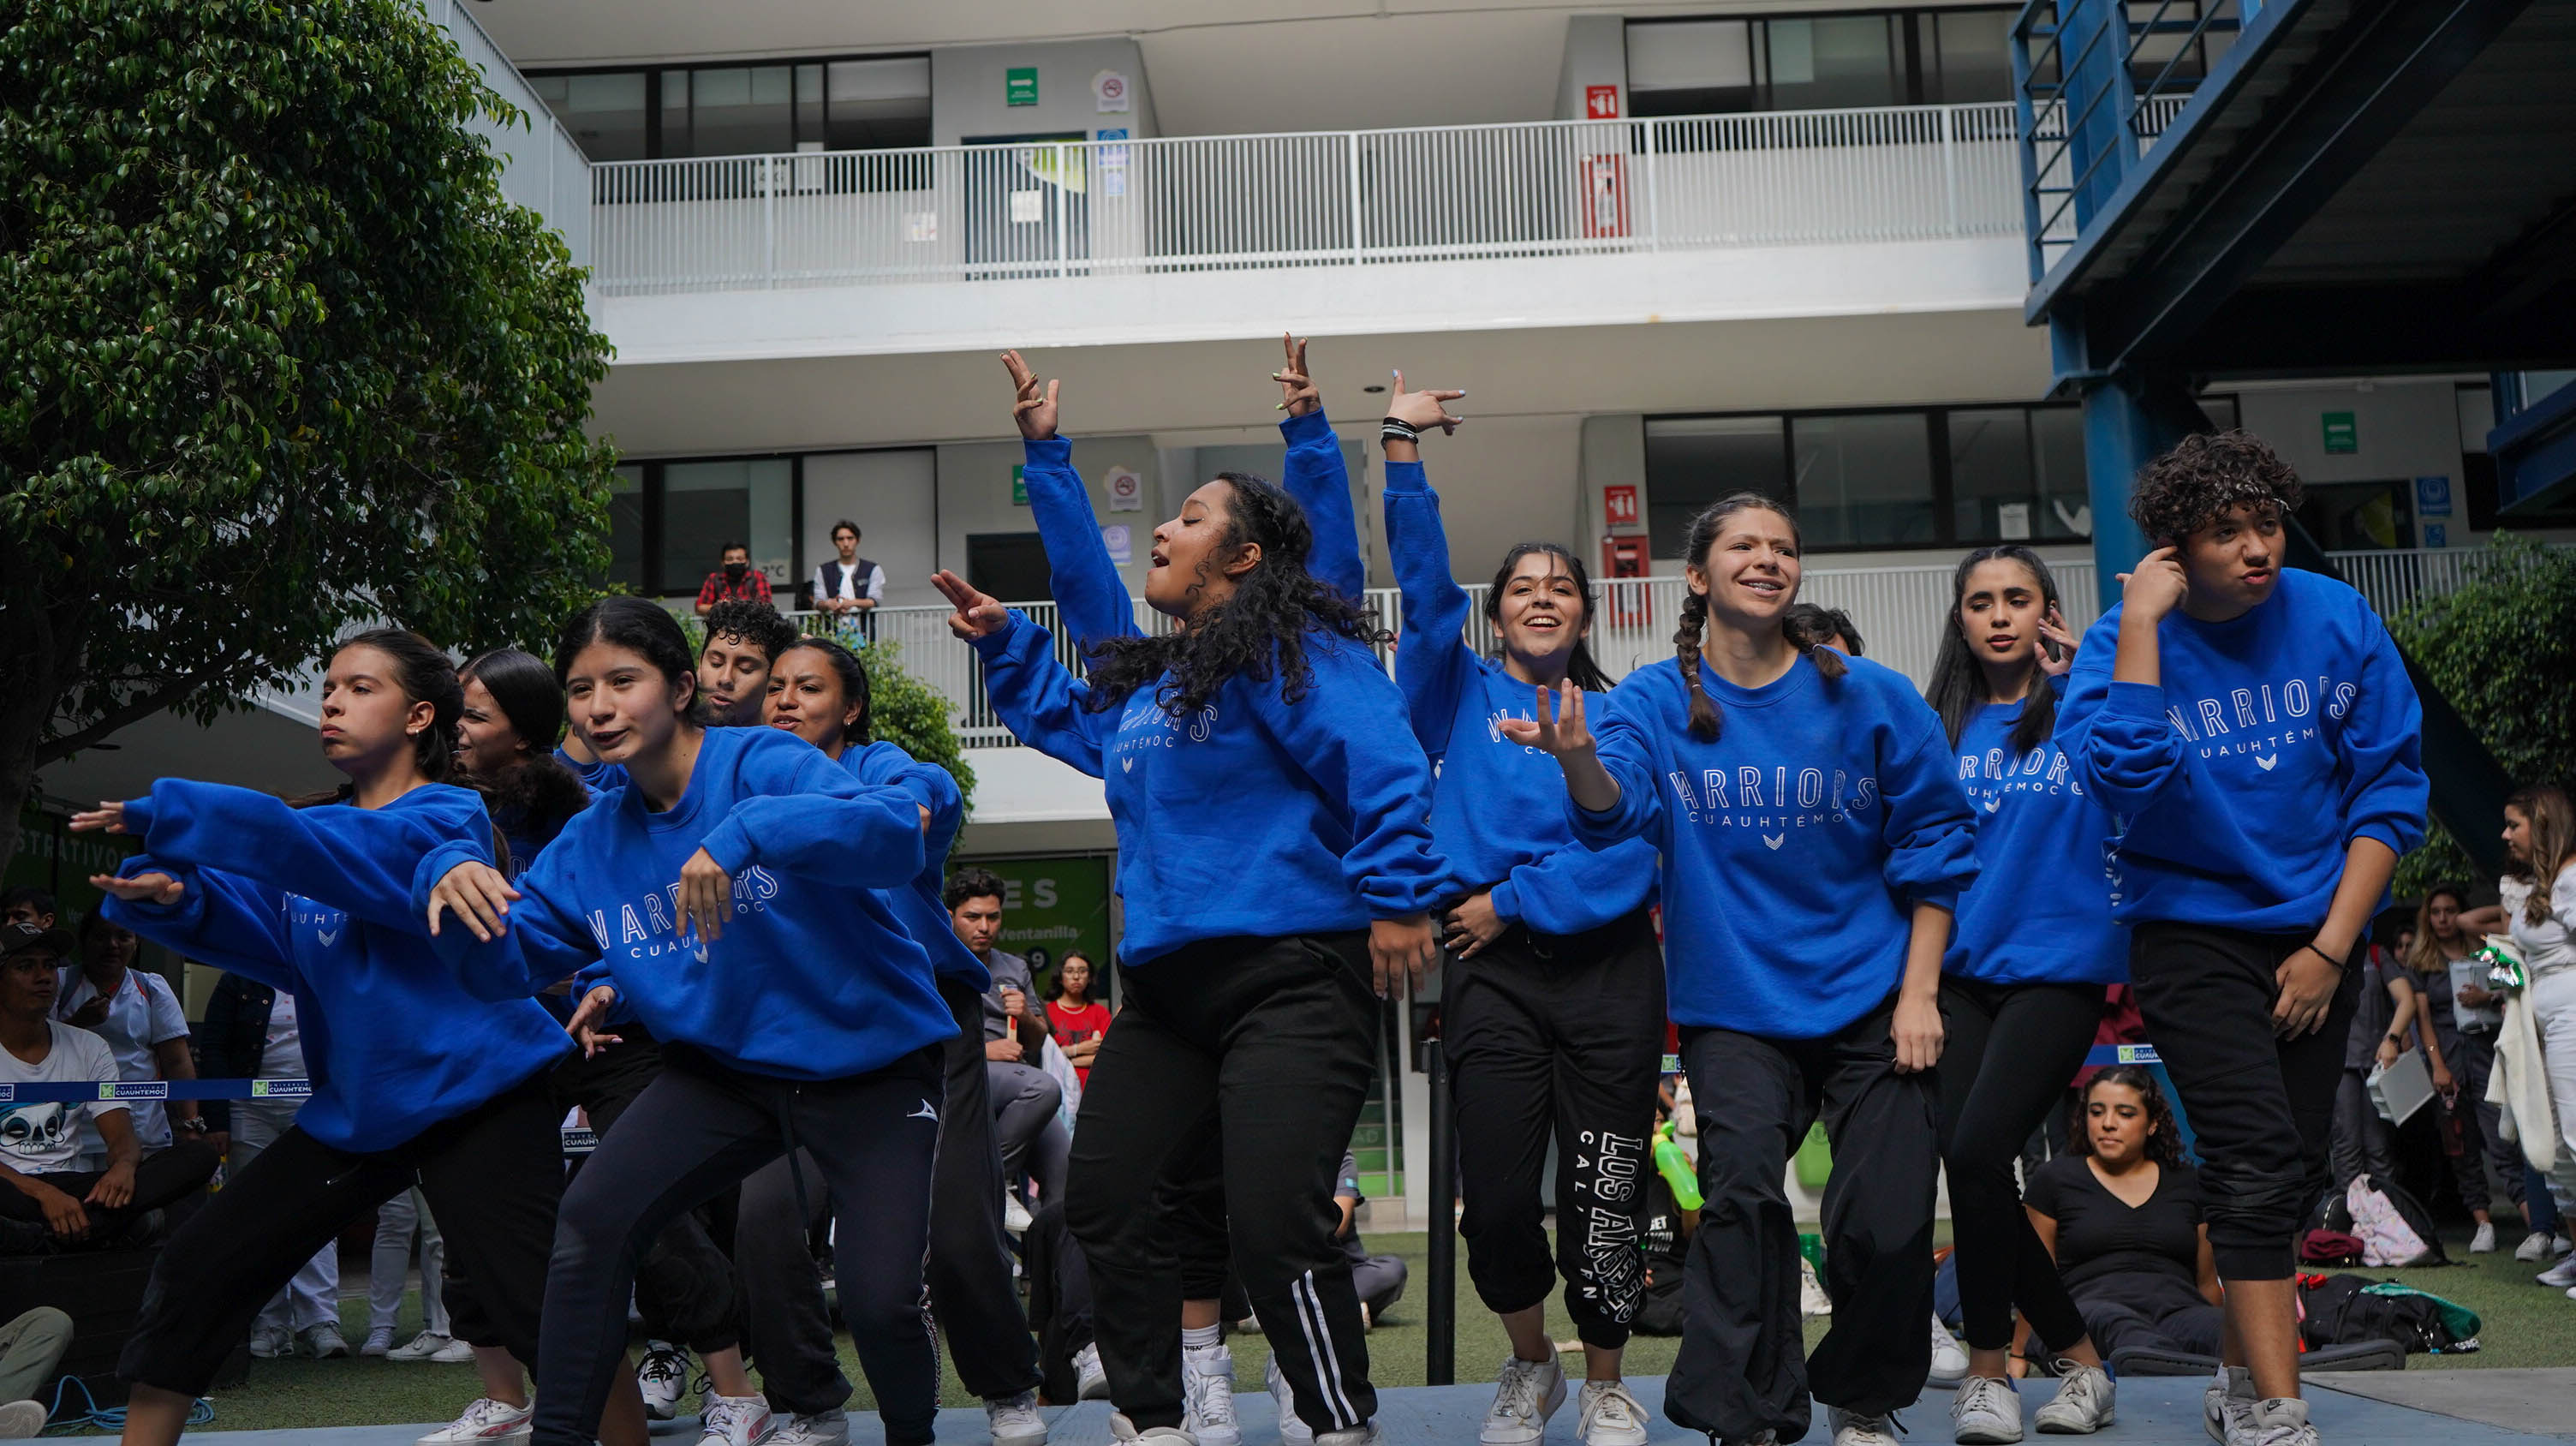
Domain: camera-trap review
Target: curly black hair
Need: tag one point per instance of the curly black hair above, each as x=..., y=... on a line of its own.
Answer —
x=2184, y=490
x=2164, y=1137
x=756, y=623
x=1260, y=632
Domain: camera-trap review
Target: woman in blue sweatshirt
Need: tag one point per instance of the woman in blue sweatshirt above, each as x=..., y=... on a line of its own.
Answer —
x=792, y=1006
x=2022, y=984
x=1552, y=1008
x=415, y=1080
x=2256, y=729
x=1277, y=872
x=1815, y=842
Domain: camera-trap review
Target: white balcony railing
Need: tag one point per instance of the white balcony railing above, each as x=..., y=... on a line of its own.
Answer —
x=1897, y=609
x=1327, y=198
x=542, y=167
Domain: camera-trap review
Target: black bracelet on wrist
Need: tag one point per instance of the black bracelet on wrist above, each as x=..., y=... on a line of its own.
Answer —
x=1396, y=429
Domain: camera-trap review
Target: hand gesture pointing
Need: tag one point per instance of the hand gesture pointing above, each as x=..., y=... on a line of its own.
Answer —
x=978, y=615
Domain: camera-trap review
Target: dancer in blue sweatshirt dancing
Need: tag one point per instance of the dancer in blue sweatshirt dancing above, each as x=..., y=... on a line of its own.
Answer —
x=2256, y=728
x=729, y=896
x=1815, y=842
x=1277, y=872
x=416, y=1081
x=1552, y=1006
x=2022, y=983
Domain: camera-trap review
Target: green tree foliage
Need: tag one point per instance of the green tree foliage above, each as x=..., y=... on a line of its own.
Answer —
x=2503, y=649
x=276, y=358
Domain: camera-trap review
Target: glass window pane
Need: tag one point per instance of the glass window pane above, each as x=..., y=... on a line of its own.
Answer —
x=1975, y=57
x=877, y=105
x=708, y=504
x=675, y=113
x=2065, y=505
x=739, y=111
x=626, y=530
x=1693, y=461
x=1691, y=67
x=809, y=107
x=605, y=113
x=1833, y=64
x=1990, y=483
x=1864, y=481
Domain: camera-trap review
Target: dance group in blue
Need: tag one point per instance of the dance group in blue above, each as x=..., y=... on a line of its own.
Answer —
x=1893, y=915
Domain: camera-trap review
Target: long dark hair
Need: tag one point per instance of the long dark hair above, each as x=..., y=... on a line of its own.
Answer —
x=1580, y=667
x=641, y=627
x=1705, y=722
x=1260, y=632
x=425, y=676
x=852, y=673
x=1958, y=687
x=536, y=795
x=2164, y=1139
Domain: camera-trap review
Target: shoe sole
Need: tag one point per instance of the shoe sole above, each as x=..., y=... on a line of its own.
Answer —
x=1984, y=1436
x=2052, y=1428
x=1022, y=1439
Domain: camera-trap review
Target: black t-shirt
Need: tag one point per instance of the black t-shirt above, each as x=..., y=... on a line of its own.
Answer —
x=2099, y=1234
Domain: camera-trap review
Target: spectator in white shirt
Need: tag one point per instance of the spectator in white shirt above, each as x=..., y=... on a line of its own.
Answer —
x=849, y=587
x=139, y=1015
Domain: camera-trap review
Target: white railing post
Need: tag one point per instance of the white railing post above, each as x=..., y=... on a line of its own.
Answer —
x=1654, y=207
x=1950, y=163
x=1063, y=205
x=1356, y=233
x=766, y=177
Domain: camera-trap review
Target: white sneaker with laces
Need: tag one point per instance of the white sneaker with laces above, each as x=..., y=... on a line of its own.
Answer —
x=1985, y=1412
x=20, y=1420
x=823, y=1428
x=1093, y=1376
x=485, y=1423
x=454, y=1353
x=1853, y=1429
x=2483, y=1242
x=1015, y=1213
x=1292, y=1431
x=2278, y=1421
x=663, y=1377
x=1363, y=1434
x=2533, y=1246
x=1606, y=1415
x=2227, y=1404
x=270, y=1344
x=380, y=1342
x=1949, y=1358
x=1122, y=1429
x=2083, y=1403
x=1526, y=1393
x=1015, y=1420
x=1207, y=1395
x=732, y=1420
x=323, y=1342
x=2561, y=1275
x=419, y=1348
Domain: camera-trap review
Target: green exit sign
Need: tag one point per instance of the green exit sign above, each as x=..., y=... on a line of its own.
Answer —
x=2342, y=433
x=1019, y=485
x=1020, y=85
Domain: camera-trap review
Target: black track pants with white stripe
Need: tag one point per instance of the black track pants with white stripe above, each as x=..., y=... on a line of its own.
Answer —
x=1268, y=1045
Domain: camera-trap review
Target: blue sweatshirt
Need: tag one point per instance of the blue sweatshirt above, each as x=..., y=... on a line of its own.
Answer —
x=918, y=905
x=392, y=1043
x=2048, y=855
x=2274, y=741
x=1257, y=817
x=1497, y=807
x=813, y=978
x=1794, y=847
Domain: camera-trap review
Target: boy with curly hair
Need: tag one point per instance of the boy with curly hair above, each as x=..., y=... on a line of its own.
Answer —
x=2256, y=731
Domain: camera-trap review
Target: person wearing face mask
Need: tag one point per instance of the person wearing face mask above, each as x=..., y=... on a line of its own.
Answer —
x=1552, y=1001
x=734, y=580
x=2257, y=730
x=1814, y=844
x=2022, y=982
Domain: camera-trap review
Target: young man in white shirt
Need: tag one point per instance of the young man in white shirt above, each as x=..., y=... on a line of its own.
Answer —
x=146, y=1029
x=849, y=587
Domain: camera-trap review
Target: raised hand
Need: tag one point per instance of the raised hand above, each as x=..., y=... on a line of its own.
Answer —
x=108, y=817
x=1423, y=410
x=2157, y=586
x=1297, y=392
x=478, y=895
x=978, y=614
x=1559, y=729
x=152, y=888
x=1036, y=409
x=2052, y=629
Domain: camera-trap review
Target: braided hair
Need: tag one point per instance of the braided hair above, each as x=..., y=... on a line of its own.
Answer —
x=1259, y=632
x=1705, y=722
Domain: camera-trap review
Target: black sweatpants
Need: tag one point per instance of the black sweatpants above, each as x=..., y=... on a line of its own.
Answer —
x=1270, y=1045
x=2141, y=1310
x=702, y=1126
x=1741, y=1369
x=2261, y=1107
x=1561, y=1038
x=162, y=1177
x=969, y=1269
x=492, y=1175
x=685, y=1287
x=2472, y=1061
x=2009, y=1051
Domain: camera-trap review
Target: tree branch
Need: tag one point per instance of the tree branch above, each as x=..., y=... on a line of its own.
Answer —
x=54, y=750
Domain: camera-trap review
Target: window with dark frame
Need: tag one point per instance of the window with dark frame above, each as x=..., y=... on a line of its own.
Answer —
x=874, y=102
x=1831, y=61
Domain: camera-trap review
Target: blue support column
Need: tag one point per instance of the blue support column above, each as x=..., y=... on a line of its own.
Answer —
x=2120, y=435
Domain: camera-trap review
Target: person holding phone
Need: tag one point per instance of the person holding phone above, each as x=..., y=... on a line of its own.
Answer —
x=2256, y=728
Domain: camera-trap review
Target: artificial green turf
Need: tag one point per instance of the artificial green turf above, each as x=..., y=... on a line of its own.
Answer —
x=2525, y=1325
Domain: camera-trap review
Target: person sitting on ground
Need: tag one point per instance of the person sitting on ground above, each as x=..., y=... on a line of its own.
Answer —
x=31, y=1346
x=1024, y=1097
x=49, y=1202
x=735, y=581
x=2121, y=1213
x=1378, y=1279
x=1074, y=1018
x=139, y=1015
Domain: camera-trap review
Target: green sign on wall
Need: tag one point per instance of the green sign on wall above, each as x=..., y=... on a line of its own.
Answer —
x=1051, y=905
x=2343, y=433
x=1019, y=484
x=1020, y=85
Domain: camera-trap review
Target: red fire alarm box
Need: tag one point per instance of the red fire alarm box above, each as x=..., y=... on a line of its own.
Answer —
x=1605, y=195
x=1625, y=557
x=1601, y=102
x=1618, y=507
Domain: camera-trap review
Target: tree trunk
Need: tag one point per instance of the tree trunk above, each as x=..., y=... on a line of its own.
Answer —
x=24, y=711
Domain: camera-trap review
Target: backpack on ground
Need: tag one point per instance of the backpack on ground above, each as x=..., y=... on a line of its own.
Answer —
x=2344, y=1309
x=2394, y=1227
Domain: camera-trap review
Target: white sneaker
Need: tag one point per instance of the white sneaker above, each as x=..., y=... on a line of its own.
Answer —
x=1122, y=1429
x=1607, y=1415
x=663, y=1377
x=2561, y=1275
x=2227, y=1406
x=1015, y=1420
x=1207, y=1395
x=823, y=1428
x=1094, y=1377
x=485, y=1423
x=454, y=1353
x=732, y=1420
x=2533, y=1246
x=2561, y=1245
x=1812, y=1300
x=1363, y=1434
x=1015, y=1213
x=270, y=1344
x=2483, y=1242
x=1854, y=1429
x=20, y=1420
x=1985, y=1412
x=419, y=1348
x=1949, y=1358
x=2083, y=1403
x=1526, y=1393
x=1292, y=1431
x=2278, y=1421
x=324, y=1342
x=380, y=1342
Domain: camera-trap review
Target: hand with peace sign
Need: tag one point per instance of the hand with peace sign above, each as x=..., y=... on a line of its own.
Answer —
x=1422, y=411
x=1559, y=730
x=1035, y=410
x=978, y=614
x=1298, y=395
